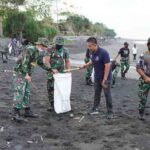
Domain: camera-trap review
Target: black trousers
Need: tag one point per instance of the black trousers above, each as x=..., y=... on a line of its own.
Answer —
x=134, y=56
x=6, y=57
x=97, y=97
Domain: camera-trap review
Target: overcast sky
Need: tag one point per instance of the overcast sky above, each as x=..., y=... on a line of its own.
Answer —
x=129, y=18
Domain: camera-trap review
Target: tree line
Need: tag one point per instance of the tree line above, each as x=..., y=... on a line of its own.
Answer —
x=35, y=20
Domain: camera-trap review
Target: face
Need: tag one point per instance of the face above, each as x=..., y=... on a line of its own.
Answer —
x=92, y=46
x=126, y=45
x=41, y=47
x=58, y=47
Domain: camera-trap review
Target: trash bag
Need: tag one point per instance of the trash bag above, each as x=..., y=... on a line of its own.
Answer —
x=92, y=76
x=10, y=48
x=62, y=92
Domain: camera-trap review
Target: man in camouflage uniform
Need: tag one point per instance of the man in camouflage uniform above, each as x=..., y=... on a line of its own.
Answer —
x=143, y=68
x=4, y=53
x=59, y=60
x=89, y=68
x=125, y=59
x=22, y=46
x=26, y=62
x=115, y=70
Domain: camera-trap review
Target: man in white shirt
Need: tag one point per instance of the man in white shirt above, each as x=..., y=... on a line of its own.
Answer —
x=134, y=50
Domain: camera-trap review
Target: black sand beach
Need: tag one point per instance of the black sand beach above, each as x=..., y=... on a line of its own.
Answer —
x=61, y=132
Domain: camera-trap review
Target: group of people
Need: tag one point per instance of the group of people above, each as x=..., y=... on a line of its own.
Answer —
x=14, y=48
x=55, y=59
x=106, y=71
x=52, y=59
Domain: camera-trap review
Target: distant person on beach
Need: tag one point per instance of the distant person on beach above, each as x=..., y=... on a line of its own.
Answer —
x=89, y=69
x=103, y=76
x=125, y=59
x=14, y=45
x=143, y=69
x=134, y=51
x=4, y=53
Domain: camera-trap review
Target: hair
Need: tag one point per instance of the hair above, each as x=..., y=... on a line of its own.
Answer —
x=92, y=40
x=148, y=42
x=126, y=43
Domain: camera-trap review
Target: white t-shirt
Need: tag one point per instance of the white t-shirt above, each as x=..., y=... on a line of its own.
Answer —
x=134, y=50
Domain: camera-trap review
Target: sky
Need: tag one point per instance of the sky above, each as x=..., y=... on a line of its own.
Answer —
x=129, y=18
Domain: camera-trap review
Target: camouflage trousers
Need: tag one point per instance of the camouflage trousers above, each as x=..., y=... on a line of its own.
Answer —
x=89, y=72
x=115, y=73
x=124, y=66
x=143, y=94
x=89, y=69
x=50, y=90
x=21, y=92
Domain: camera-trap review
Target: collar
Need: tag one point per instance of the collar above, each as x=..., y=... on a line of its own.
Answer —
x=96, y=52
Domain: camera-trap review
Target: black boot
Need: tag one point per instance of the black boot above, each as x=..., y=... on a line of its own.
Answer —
x=88, y=81
x=29, y=113
x=141, y=115
x=51, y=108
x=4, y=61
x=16, y=115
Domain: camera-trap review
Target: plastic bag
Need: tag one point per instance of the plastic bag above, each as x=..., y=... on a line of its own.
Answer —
x=62, y=92
x=92, y=76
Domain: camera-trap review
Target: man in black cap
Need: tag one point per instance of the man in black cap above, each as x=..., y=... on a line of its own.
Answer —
x=125, y=59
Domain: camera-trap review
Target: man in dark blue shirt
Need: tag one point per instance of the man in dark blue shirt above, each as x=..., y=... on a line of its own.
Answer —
x=103, y=76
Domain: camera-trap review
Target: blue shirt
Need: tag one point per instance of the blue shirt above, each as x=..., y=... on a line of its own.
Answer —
x=99, y=59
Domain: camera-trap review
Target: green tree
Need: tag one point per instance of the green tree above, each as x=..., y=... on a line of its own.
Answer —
x=110, y=33
x=49, y=32
x=14, y=23
x=78, y=23
x=32, y=27
x=8, y=5
x=42, y=7
x=98, y=29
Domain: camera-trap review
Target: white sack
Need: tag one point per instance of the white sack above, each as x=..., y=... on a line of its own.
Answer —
x=10, y=48
x=92, y=76
x=62, y=92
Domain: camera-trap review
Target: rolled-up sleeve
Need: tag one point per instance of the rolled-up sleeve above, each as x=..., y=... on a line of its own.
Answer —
x=106, y=58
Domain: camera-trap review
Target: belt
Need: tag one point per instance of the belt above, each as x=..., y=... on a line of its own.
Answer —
x=122, y=58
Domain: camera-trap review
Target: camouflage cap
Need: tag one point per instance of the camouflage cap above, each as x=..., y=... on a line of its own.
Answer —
x=42, y=41
x=59, y=41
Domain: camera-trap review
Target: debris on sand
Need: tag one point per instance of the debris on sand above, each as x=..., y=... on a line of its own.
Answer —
x=1, y=129
x=71, y=115
x=81, y=118
x=30, y=142
x=8, y=144
x=42, y=138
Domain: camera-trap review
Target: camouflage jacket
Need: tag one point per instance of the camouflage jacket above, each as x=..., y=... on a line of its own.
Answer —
x=144, y=63
x=87, y=56
x=28, y=60
x=57, y=58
